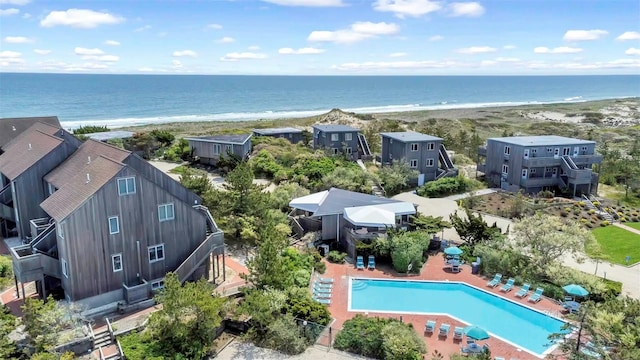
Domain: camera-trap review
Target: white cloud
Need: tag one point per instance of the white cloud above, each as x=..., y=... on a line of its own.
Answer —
x=9, y=12
x=470, y=9
x=393, y=65
x=253, y=48
x=398, y=54
x=403, y=8
x=10, y=57
x=557, y=50
x=42, y=52
x=301, y=51
x=104, y=58
x=436, y=38
x=17, y=40
x=145, y=69
x=85, y=51
x=142, y=28
x=235, y=56
x=14, y=2
x=629, y=35
x=584, y=35
x=307, y=3
x=80, y=18
x=214, y=26
x=112, y=43
x=357, y=32
x=226, y=40
x=183, y=53
x=507, y=59
x=632, y=51
x=614, y=64
x=509, y=47
x=476, y=50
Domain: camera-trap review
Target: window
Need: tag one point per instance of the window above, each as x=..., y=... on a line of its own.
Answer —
x=566, y=151
x=431, y=146
x=548, y=170
x=348, y=137
x=156, y=253
x=216, y=149
x=584, y=150
x=157, y=285
x=430, y=162
x=533, y=171
x=507, y=150
x=61, y=230
x=549, y=150
x=335, y=137
x=335, y=151
x=165, y=212
x=413, y=163
x=534, y=152
x=524, y=173
x=127, y=186
x=349, y=151
x=414, y=146
x=116, y=262
x=114, y=225
x=65, y=267
x=505, y=169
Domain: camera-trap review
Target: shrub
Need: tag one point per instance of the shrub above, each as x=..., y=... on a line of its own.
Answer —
x=90, y=129
x=336, y=257
x=546, y=194
x=596, y=203
x=443, y=187
x=163, y=136
x=623, y=219
x=567, y=209
x=591, y=211
x=604, y=223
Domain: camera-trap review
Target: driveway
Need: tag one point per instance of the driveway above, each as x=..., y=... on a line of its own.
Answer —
x=247, y=351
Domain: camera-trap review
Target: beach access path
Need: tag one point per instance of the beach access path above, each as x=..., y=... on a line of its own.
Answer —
x=628, y=276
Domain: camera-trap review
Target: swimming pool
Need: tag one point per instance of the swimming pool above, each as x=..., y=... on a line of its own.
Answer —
x=517, y=324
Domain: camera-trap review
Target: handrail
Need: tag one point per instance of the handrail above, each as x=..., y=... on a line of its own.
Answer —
x=203, y=250
x=3, y=194
x=443, y=153
x=101, y=353
x=120, y=352
x=364, y=144
x=110, y=329
x=43, y=234
x=209, y=217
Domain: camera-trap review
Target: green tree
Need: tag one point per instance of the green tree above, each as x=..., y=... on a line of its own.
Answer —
x=199, y=184
x=45, y=321
x=284, y=193
x=266, y=269
x=186, y=325
x=429, y=224
x=348, y=178
x=400, y=342
x=8, y=323
x=407, y=248
x=472, y=229
x=396, y=177
x=163, y=136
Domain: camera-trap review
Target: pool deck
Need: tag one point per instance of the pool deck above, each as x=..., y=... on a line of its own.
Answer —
x=434, y=270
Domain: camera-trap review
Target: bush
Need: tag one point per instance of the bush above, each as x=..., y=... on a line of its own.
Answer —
x=596, y=203
x=6, y=270
x=163, y=136
x=604, y=223
x=90, y=129
x=444, y=187
x=546, y=194
x=336, y=257
x=139, y=346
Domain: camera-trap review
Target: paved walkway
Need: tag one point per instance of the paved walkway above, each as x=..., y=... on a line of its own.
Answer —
x=626, y=227
x=247, y=351
x=473, y=193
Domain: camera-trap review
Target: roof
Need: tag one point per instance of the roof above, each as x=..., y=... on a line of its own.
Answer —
x=87, y=152
x=410, y=136
x=334, y=201
x=10, y=128
x=109, y=135
x=378, y=215
x=542, y=140
x=223, y=139
x=335, y=128
x=275, y=131
x=27, y=149
x=77, y=190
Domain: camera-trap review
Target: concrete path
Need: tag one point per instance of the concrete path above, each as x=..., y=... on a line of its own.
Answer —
x=627, y=227
x=628, y=276
x=246, y=351
x=473, y=193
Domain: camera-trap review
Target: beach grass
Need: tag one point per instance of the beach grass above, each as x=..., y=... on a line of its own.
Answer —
x=617, y=243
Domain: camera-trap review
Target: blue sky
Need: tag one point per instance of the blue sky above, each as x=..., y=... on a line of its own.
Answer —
x=321, y=37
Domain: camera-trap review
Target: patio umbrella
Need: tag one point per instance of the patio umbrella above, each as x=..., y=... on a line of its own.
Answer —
x=453, y=250
x=575, y=290
x=476, y=332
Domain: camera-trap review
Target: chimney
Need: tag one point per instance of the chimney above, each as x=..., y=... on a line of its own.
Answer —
x=88, y=178
x=13, y=128
x=88, y=160
x=30, y=147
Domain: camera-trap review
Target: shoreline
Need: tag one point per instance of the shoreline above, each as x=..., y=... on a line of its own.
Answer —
x=243, y=117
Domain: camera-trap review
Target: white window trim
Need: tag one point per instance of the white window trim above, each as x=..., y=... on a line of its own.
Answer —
x=348, y=137
x=125, y=179
x=413, y=163
x=335, y=151
x=507, y=150
x=113, y=262
x=414, y=146
x=117, y=225
x=216, y=149
x=155, y=249
x=173, y=212
x=532, y=171
x=349, y=151
x=335, y=137
x=65, y=267
x=431, y=146
x=430, y=163
x=157, y=285
x=61, y=230
x=228, y=148
x=505, y=168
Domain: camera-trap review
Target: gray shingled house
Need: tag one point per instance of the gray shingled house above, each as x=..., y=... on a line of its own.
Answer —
x=536, y=163
x=341, y=139
x=10, y=128
x=424, y=153
x=100, y=222
x=292, y=134
x=209, y=149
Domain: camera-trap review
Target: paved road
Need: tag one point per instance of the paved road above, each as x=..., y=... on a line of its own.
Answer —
x=247, y=351
x=628, y=276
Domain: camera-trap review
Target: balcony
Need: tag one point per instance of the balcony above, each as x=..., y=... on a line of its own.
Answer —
x=482, y=151
x=580, y=176
x=543, y=161
x=365, y=235
x=137, y=293
x=31, y=265
x=539, y=181
x=38, y=226
x=587, y=159
x=214, y=243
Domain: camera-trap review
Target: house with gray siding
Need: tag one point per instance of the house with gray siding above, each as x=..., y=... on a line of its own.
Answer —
x=10, y=128
x=209, y=149
x=341, y=139
x=537, y=163
x=108, y=225
x=424, y=153
x=292, y=134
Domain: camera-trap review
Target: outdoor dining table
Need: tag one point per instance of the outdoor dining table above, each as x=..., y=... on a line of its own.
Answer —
x=571, y=305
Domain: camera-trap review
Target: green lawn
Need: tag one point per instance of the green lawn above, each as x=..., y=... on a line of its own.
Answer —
x=635, y=225
x=617, y=243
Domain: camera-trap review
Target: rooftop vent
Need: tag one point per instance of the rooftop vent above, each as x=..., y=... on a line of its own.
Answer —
x=88, y=160
x=88, y=178
x=30, y=147
x=13, y=128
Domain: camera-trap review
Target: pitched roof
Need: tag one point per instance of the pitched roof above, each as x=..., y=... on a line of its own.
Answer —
x=27, y=149
x=77, y=190
x=335, y=128
x=334, y=201
x=10, y=128
x=542, y=140
x=275, y=131
x=223, y=139
x=407, y=136
x=87, y=152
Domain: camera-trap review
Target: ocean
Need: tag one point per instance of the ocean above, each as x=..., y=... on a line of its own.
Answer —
x=124, y=100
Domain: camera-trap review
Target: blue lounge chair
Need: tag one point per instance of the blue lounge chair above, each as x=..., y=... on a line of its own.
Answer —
x=325, y=280
x=372, y=262
x=537, y=296
x=429, y=327
x=322, y=285
x=508, y=286
x=359, y=263
x=524, y=290
x=324, y=291
x=444, y=330
x=322, y=301
x=321, y=294
x=457, y=333
x=498, y=358
x=495, y=281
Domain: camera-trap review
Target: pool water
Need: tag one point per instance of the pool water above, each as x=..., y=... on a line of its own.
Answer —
x=510, y=321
